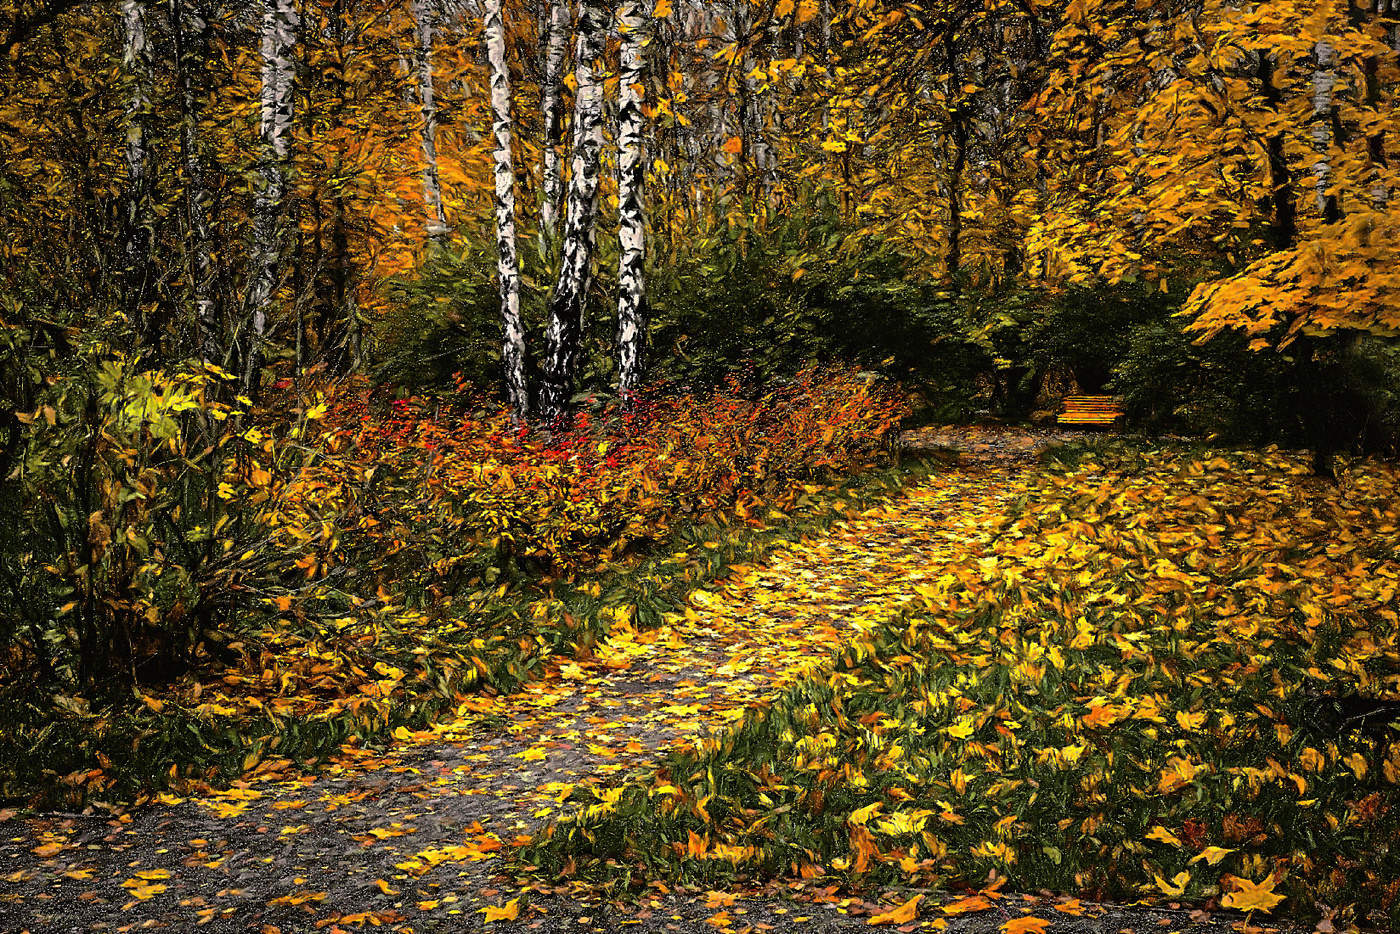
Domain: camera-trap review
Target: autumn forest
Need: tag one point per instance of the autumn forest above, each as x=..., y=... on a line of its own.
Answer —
x=700, y=465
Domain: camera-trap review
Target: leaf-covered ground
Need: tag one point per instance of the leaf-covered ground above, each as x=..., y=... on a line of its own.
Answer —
x=416, y=836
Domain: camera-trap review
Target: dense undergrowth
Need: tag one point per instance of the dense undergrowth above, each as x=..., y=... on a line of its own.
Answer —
x=1152, y=684
x=381, y=560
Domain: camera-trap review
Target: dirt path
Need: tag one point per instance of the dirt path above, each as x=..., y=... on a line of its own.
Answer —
x=412, y=838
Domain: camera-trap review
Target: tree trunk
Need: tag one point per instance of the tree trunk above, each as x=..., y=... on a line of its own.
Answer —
x=631, y=220
x=1283, y=209
x=507, y=265
x=200, y=248
x=953, y=257
x=136, y=57
x=432, y=184
x=1324, y=79
x=279, y=25
x=567, y=304
x=552, y=106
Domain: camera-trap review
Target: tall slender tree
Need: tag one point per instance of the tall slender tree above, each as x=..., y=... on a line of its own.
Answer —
x=423, y=16
x=507, y=263
x=552, y=106
x=200, y=262
x=136, y=57
x=633, y=25
x=569, y=299
x=279, y=29
x=1324, y=79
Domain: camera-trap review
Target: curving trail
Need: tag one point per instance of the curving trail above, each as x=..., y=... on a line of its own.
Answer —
x=411, y=839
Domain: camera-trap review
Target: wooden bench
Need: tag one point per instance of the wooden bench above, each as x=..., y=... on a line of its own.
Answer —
x=1091, y=410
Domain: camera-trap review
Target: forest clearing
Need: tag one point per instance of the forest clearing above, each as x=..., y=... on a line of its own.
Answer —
x=811, y=465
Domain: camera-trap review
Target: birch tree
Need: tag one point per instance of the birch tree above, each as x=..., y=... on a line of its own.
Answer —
x=631, y=175
x=507, y=264
x=552, y=106
x=136, y=58
x=1324, y=78
x=197, y=197
x=569, y=299
x=279, y=25
x=423, y=59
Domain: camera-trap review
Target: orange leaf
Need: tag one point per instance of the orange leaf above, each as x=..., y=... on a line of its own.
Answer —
x=969, y=904
x=901, y=915
x=864, y=846
x=734, y=145
x=1025, y=926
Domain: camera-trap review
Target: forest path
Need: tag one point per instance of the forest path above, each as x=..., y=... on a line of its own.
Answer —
x=411, y=838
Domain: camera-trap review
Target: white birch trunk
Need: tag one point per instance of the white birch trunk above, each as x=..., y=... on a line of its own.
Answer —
x=432, y=184
x=567, y=304
x=1324, y=79
x=552, y=174
x=507, y=264
x=631, y=177
x=279, y=24
x=136, y=58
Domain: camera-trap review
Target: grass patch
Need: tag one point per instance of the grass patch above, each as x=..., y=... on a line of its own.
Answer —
x=1170, y=677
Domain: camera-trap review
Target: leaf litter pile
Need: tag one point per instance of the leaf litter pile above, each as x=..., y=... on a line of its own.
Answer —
x=1151, y=677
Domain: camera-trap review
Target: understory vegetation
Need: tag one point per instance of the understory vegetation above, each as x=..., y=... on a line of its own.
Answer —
x=218, y=588
x=1152, y=683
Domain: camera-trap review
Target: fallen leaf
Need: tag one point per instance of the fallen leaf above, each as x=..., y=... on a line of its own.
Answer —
x=1025, y=925
x=901, y=915
x=507, y=912
x=966, y=905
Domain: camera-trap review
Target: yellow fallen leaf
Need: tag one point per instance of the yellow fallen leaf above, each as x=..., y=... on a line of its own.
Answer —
x=1174, y=887
x=1251, y=897
x=1212, y=855
x=1071, y=907
x=507, y=912
x=44, y=851
x=428, y=904
x=901, y=915
x=385, y=887
x=1164, y=835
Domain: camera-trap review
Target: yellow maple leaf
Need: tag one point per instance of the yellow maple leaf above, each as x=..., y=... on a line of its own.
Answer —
x=1025, y=925
x=901, y=915
x=507, y=912
x=1250, y=897
x=783, y=8
x=1174, y=887
x=1212, y=855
